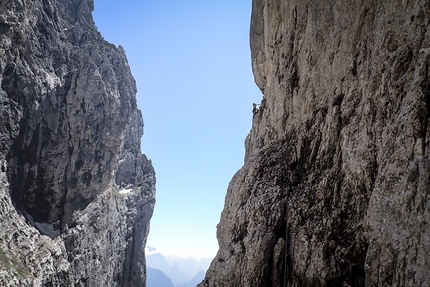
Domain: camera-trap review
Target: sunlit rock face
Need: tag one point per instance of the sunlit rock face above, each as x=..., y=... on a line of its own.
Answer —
x=336, y=182
x=76, y=194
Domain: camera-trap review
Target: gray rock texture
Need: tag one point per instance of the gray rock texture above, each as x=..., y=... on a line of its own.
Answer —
x=76, y=194
x=335, y=186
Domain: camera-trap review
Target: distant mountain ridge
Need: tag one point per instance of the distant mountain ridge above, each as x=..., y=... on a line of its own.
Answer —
x=183, y=272
x=157, y=278
x=196, y=280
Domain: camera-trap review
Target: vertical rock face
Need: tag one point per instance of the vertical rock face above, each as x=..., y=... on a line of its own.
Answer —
x=336, y=182
x=76, y=194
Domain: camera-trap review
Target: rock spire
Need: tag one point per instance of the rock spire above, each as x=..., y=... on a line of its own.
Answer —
x=76, y=194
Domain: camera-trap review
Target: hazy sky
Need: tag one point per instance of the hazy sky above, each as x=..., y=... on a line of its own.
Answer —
x=191, y=62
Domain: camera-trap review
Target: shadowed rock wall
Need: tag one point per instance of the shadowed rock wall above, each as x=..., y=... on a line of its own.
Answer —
x=76, y=194
x=336, y=182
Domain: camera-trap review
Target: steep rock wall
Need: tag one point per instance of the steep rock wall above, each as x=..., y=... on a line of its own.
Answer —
x=76, y=194
x=336, y=182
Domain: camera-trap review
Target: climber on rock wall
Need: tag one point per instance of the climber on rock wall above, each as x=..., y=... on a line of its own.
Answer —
x=254, y=109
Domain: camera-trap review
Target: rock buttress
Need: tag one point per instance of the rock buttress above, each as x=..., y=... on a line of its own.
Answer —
x=76, y=194
x=336, y=182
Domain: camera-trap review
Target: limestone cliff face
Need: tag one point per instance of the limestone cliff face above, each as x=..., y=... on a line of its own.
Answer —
x=336, y=182
x=76, y=194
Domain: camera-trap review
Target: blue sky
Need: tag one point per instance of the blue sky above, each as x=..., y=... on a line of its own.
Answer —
x=191, y=62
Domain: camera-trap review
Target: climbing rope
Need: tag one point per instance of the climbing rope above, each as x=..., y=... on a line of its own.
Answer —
x=286, y=243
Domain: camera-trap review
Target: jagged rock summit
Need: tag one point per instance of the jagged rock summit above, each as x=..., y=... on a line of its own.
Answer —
x=76, y=194
x=335, y=186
